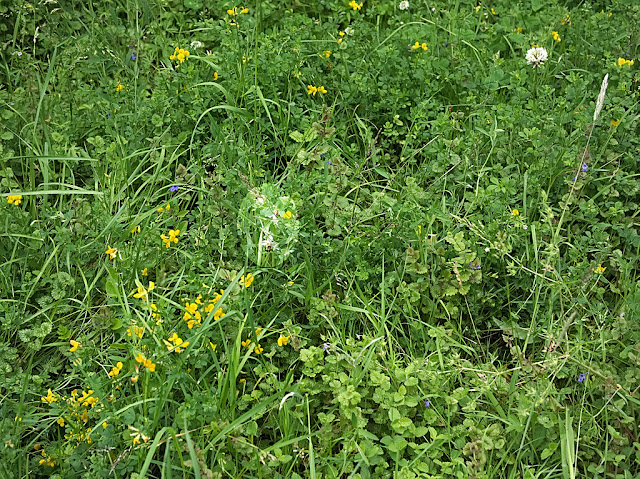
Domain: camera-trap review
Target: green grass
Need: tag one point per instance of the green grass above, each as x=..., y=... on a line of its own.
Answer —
x=428, y=268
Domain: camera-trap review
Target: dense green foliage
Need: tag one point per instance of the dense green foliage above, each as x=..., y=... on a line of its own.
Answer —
x=319, y=239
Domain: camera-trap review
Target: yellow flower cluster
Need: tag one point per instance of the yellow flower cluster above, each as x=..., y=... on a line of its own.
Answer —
x=49, y=398
x=326, y=53
x=417, y=45
x=178, y=344
x=556, y=36
x=180, y=54
x=77, y=412
x=615, y=123
x=192, y=315
x=116, y=370
x=258, y=349
x=138, y=331
x=622, y=62
x=342, y=34
x=312, y=90
x=355, y=5
x=119, y=87
x=599, y=269
x=248, y=280
x=283, y=340
x=112, y=252
x=238, y=11
x=168, y=207
x=143, y=293
x=515, y=212
x=172, y=238
x=14, y=199
x=147, y=363
x=287, y=215
x=47, y=461
x=74, y=346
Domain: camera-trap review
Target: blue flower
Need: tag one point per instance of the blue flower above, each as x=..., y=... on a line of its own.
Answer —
x=582, y=377
x=329, y=163
x=427, y=403
x=174, y=188
x=584, y=168
x=133, y=57
x=326, y=346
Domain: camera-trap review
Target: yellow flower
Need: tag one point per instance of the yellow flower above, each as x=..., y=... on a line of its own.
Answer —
x=615, y=122
x=244, y=10
x=342, y=34
x=519, y=30
x=283, y=340
x=246, y=343
x=14, y=199
x=116, y=370
x=258, y=349
x=424, y=47
x=515, y=212
x=120, y=87
x=213, y=346
x=112, y=252
x=258, y=331
x=60, y=421
x=287, y=215
x=144, y=272
x=248, y=281
x=416, y=45
x=142, y=293
x=180, y=54
x=104, y=425
x=556, y=36
x=622, y=62
x=311, y=90
x=326, y=53
x=49, y=398
x=74, y=346
x=356, y=6
x=599, y=269
x=215, y=76
x=172, y=238
x=233, y=11
x=322, y=90
x=136, y=229
x=493, y=11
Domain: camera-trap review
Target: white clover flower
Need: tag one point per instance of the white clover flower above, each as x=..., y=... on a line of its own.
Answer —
x=196, y=44
x=536, y=56
x=348, y=31
x=404, y=5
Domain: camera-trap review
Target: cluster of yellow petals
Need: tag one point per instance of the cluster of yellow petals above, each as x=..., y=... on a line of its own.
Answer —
x=172, y=238
x=355, y=5
x=418, y=45
x=622, y=62
x=178, y=344
x=312, y=90
x=180, y=54
x=143, y=293
x=116, y=369
x=14, y=199
x=237, y=11
x=147, y=363
x=137, y=330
